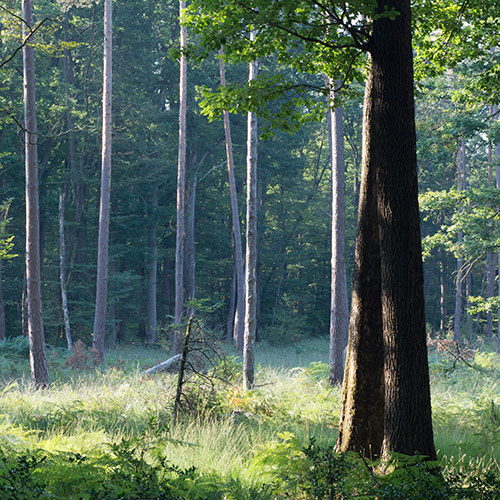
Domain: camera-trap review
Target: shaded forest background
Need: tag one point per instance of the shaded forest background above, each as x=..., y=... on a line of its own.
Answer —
x=456, y=131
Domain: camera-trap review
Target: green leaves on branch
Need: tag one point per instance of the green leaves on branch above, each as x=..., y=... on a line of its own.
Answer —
x=474, y=212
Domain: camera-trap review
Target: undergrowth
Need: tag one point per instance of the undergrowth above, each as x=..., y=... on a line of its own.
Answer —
x=108, y=432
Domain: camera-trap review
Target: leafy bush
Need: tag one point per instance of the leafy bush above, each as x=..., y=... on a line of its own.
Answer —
x=319, y=473
x=15, y=346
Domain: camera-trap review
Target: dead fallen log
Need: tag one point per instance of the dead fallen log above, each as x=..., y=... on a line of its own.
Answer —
x=171, y=364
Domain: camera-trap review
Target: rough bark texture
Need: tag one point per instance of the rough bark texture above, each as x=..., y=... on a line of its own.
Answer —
x=339, y=315
x=407, y=422
x=238, y=246
x=251, y=247
x=62, y=274
x=181, y=187
x=103, y=240
x=362, y=413
x=151, y=323
x=38, y=358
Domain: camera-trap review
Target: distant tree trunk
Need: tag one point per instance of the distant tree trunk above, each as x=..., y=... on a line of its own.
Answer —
x=362, y=414
x=111, y=333
x=190, y=250
x=181, y=187
x=442, y=298
x=460, y=261
x=62, y=274
x=238, y=246
x=251, y=245
x=490, y=263
x=24, y=307
x=339, y=314
x=151, y=327
x=3, y=330
x=496, y=158
x=103, y=241
x=231, y=311
x=468, y=293
x=38, y=357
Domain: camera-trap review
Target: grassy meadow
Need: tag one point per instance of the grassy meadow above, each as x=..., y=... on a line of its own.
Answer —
x=227, y=443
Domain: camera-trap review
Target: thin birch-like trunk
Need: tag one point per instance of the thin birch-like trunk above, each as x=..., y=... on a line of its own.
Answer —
x=238, y=246
x=497, y=174
x=151, y=325
x=442, y=298
x=38, y=357
x=103, y=240
x=468, y=293
x=24, y=307
x=181, y=187
x=231, y=312
x=190, y=250
x=460, y=261
x=490, y=263
x=339, y=314
x=62, y=274
x=251, y=245
x=3, y=329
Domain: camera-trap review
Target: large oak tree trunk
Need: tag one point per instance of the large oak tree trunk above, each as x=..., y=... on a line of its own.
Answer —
x=389, y=201
x=181, y=187
x=251, y=246
x=407, y=421
x=362, y=414
x=103, y=240
x=38, y=357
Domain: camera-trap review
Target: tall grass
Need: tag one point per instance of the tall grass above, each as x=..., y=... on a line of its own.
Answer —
x=87, y=410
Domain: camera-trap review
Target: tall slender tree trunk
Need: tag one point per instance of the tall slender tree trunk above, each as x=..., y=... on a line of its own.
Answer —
x=490, y=263
x=151, y=326
x=497, y=174
x=3, y=329
x=103, y=240
x=231, y=312
x=339, y=315
x=468, y=293
x=238, y=246
x=442, y=298
x=181, y=188
x=460, y=261
x=251, y=245
x=361, y=426
x=38, y=357
x=190, y=250
x=24, y=307
x=62, y=274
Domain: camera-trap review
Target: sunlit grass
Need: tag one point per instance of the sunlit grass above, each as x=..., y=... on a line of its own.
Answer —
x=87, y=410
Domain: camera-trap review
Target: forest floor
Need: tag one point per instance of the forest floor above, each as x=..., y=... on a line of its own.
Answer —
x=91, y=416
